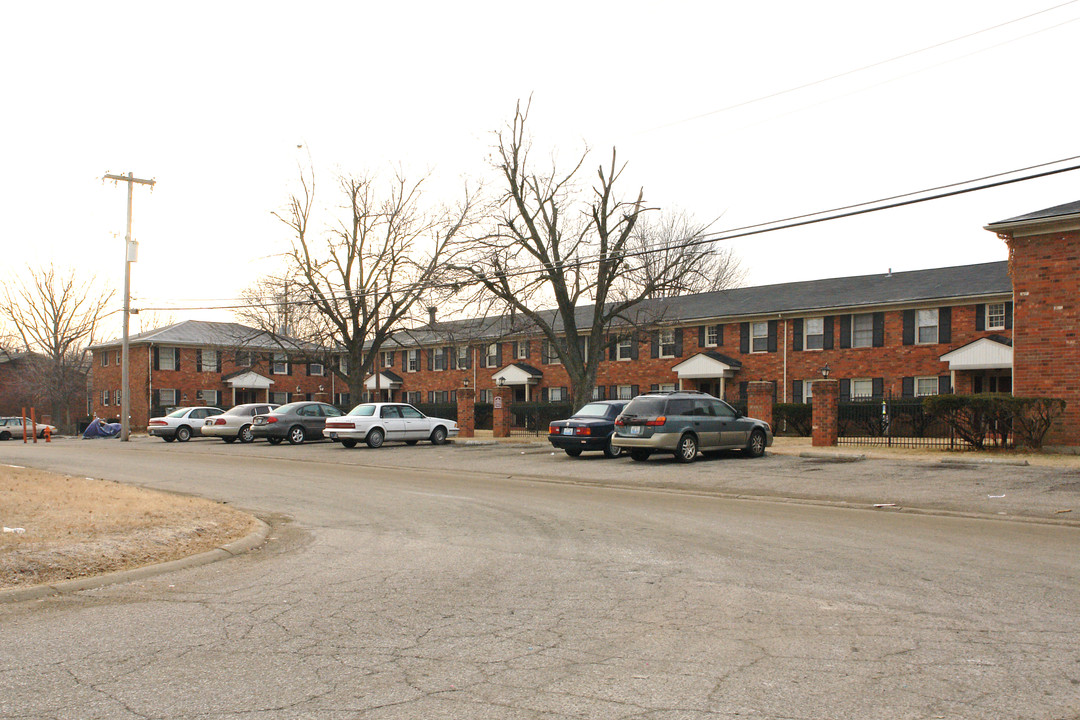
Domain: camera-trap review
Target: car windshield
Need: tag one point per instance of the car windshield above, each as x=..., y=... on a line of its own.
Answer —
x=646, y=407
x=178, y=413
x=363, y=410
x=286, y=409
x=593, y=410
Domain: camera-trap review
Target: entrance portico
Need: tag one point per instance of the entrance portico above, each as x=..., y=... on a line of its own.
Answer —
x=707, y=371
x=388, y=382
x=521, y=377
x=249, y=386
x=984, y=365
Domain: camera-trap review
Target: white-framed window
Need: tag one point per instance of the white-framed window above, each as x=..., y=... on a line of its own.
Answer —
x=625, y=349
x=484, y=396
x=119, y=353
x=413, y=360
x=556, y=394
x=666, y=387
x=279, y=398
x=807, y=391
x=413, y=398
x=814, y=333
x=209, y=360
x=862, y=388
x=438, y=359
x=667, y=343
x=387, y=358
x=244, y=359
x=280, y=365
x=712, y=335
x=166, y=358
x=491, y=355
x=521, y=348
x=117, y=400
x=596, y=393
x=862, y=330
x=926, y=326
x=552, y=355
x=105, y=398
x=626, y=392
x=463, y=356
x=759, y=337
x=105, y=359
x=995, y=316
x=925, y=386
x=316, y=369
x=210, y=397
x=168, y=397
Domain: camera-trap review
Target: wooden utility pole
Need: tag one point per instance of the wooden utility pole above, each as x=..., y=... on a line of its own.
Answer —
x=131, y=254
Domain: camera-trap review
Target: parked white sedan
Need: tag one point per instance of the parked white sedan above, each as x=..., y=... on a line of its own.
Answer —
x=375, y=423
x=12, y=427
x=235, y=423
x=181, y=424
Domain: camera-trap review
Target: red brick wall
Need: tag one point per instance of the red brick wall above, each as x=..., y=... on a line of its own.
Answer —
x=826, y=420
x=1046, y=357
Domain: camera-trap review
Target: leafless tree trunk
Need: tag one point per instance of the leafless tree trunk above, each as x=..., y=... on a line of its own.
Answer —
x=570, y=263
x=56, y=318
x=359, y=280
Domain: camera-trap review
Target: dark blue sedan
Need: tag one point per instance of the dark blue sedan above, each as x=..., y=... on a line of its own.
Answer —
x=590, y=428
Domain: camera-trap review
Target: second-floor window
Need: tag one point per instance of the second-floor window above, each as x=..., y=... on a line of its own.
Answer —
x=759, y=337
x=926, y=326
x=413, y=358
x=280, y=365
x=667, y=343
x=491, y=357
x=522, y=349
x=316, y=369
x=438, y=359
x=625, y=349
x=105, y=359
x=463, y=356
x=712, y=336
x=209, y=360
x=995, y=316
x=388, y=358
x=862, y=330
x=166, y=359
x=814, y=338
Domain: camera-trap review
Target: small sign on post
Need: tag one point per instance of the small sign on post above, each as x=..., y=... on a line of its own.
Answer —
x=497, y=400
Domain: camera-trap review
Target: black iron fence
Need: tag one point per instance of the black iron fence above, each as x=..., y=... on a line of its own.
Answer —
x=894, y=422
x=532, y=418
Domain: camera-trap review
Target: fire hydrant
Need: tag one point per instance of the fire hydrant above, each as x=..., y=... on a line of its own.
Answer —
x=48, y=434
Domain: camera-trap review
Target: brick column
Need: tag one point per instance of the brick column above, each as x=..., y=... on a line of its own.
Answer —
x=500, y=420
x=826, y=417
x=759, y=403
x=466, y=412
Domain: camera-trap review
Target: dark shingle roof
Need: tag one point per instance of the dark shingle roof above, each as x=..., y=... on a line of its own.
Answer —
x=1072, y=208
x=209, y=334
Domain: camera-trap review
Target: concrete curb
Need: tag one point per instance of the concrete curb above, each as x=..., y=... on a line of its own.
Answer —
x=832, y=456
x=237, y=547
x=984, y=461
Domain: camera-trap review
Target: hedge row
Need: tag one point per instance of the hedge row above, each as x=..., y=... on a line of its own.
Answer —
x=992, y=418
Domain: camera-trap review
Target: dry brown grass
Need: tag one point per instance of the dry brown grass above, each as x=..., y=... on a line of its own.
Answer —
x=77, y=527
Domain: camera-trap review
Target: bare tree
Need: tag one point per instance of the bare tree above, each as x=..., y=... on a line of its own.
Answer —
x=662, y=242
x=364, y=275
x=553, y=252
x=56, y=318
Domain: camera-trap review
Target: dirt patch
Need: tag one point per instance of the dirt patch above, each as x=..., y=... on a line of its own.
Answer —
x=58, y=527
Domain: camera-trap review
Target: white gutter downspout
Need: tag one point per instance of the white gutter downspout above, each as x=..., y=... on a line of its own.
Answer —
x=785, y=360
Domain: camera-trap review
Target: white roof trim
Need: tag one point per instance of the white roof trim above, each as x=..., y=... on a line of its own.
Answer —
x=250, y=381
x=385, y=383
x=703, y=366
x=513, y=375
x=983, y=354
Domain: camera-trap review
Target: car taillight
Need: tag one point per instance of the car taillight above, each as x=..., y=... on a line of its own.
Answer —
x=619, y=421
x=340, y=424
x=271, y=419
x=583, y=431
x=553, y=429
x=219, y=421
x=158, y=422
x=656, y=421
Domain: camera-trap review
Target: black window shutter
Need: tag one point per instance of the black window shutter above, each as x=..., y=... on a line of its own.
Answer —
x=307, y=366
x=155, y=395
x=288, y=366
x=719, y=335
x=430, y=352
x=613, y=392
x=845, y=331
x=176, y=358
x=908, y=387
x=772, y=335
x=600, y=392
x=827, y=326
x=544, y=395
x=404, y=360
x=613, y=348
x=468, y=359
x=845, y=390
x=701, y=336
x=634, y=347
x=678, y=342
x=1008, y=315
x=453, y=396
x=878, y=387
x=451, y=357
x=198, y=360
x=635, y=390
x=944, y=385
x=217, y=362
x=743, y=387
x=744, y=337
x=654, y=387
x=944, y=333
x=980, y=317
x=545, y=352
x=563, y=392
x=655, y=344
x=796, y=391
x=796, y=335
x=909, y=330
x=879, y=329
x=498, y=354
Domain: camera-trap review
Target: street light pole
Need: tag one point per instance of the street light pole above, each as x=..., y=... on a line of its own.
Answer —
x=131, y=250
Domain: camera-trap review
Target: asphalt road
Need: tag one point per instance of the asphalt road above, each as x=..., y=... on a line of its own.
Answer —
x=472, y=583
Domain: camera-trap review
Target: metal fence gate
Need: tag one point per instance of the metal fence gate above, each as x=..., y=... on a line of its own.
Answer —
x=894, y=422
x=531, y=419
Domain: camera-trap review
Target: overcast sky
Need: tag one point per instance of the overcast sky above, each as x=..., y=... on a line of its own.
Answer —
x=213, y=99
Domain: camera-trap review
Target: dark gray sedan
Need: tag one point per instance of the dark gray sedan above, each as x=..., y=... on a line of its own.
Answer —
x=295, y=422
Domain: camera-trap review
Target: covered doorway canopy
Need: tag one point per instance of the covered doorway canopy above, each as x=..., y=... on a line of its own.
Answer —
x=520, y=375
x=707, y=366
x=247, y=382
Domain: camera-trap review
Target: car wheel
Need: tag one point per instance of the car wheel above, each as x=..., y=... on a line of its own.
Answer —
x=686, y=452
x=612, y=450
x=349, y=443
x=438, y=436
x=755, y=448
x=167, y=438
x=573, y=452
x=274, y=440
x=5, y=435
x=296, y=435
x=183, y=433
x=245, y=435
x=229, y=440
x=375, y=438
x=640, y=455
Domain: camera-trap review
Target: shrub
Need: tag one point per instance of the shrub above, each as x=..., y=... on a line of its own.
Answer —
x=798, y=416
x=993, y=418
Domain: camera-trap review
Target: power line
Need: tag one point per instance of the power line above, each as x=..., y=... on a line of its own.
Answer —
x=873, y=65
x=837, y=213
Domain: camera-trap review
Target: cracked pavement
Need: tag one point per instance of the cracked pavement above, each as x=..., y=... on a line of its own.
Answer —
x=426, y=583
